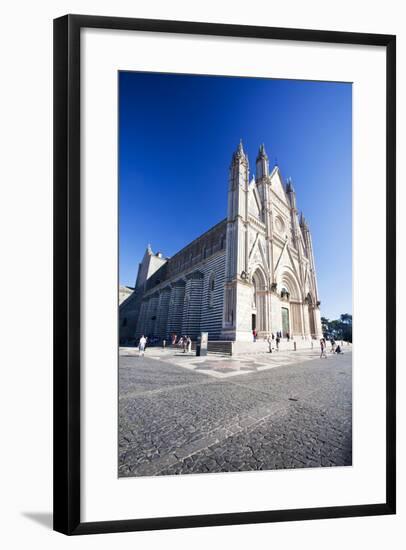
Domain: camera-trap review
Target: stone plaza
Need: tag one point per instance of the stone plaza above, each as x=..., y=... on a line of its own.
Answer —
x=180, y=414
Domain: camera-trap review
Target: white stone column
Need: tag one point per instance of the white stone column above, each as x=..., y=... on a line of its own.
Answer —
x=302, y=313
x=317, y=323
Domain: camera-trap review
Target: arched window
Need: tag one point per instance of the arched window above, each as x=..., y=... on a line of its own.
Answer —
x=212, y=286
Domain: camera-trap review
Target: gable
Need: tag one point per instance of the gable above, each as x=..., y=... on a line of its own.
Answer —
x=277, y=186
x=292, y=264
x=285, y=260
x=254, y=203
x=257, y=253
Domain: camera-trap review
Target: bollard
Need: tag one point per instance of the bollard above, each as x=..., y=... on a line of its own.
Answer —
x=202, y=344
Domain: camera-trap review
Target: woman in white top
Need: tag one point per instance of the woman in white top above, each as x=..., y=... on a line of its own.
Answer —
x=141, y=345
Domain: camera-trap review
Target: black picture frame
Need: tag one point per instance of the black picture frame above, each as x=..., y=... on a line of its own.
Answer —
x=67, y=285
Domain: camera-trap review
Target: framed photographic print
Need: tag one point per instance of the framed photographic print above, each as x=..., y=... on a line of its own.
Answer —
x=224, y=303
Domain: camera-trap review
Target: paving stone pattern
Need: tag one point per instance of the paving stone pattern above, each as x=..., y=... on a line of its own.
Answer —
x=175, y=421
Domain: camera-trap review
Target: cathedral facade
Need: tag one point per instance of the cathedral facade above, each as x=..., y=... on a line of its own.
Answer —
x=254, y=270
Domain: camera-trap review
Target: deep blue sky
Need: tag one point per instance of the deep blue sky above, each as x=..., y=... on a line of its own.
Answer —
x=176, y=137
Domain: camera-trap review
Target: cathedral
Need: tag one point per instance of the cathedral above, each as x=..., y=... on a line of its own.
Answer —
x=253, y=271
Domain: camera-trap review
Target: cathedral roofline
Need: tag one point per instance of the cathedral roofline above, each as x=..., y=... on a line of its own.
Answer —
x=274, y=170
x=224, y=221
x=150, y=252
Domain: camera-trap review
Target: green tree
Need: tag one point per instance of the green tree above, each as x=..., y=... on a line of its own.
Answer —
x=346, y=318
x=340, y=329
x=325, y=326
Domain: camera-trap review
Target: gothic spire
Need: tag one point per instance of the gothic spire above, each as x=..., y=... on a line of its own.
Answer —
x=239, y=168
x=240, y=149
x=289, y=186
x=240, y=156
x=262, y=153
x=262, y=164
x=303, y=222
x=239, y=153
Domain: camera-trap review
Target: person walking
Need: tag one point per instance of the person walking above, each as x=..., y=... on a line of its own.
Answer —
x=189, y=344
x=333, y=345
x=254, y=334
x=164, y=343
x=277, y=340
x=141, y=345
x=184, y=343
x=270, y=343
x=323, y=348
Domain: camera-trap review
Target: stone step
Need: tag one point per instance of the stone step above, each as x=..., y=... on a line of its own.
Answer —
x=222, y=347
x=261, y=346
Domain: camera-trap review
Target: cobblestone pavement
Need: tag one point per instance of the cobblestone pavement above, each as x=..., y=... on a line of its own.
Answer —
x=174, y=420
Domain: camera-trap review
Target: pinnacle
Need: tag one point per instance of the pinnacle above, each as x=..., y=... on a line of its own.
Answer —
x=289, y=186
x=240, y=148
x=262, y=152
x=240, y=153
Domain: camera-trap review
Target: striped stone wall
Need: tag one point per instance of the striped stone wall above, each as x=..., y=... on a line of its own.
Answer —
x=187, y=304
x=212, y=305
x=175, y=313
x=192, y=305
x=163, y=310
